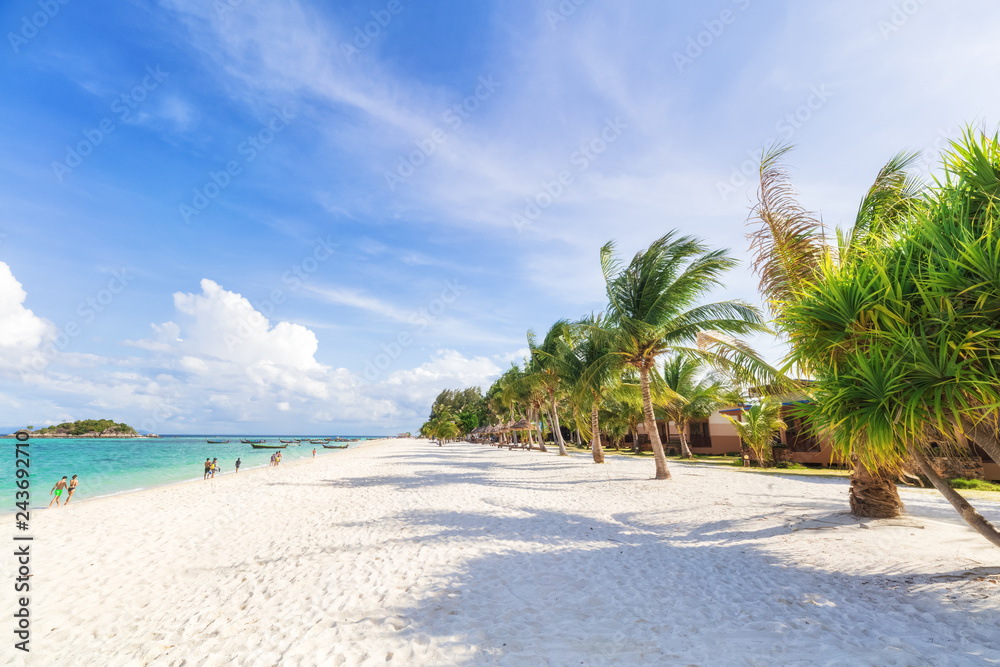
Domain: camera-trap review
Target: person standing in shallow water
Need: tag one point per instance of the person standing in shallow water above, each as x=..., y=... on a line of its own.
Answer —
x=57, y=488
x=73, y=483
x=314, y=452
x=237, y=465
x=208, y=468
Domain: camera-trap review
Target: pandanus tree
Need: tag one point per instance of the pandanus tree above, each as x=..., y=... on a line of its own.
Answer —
x=688, y=393
x=653, y=307
x=899, y=326
x=907, y=331
x=790, y=249
x=757, y=427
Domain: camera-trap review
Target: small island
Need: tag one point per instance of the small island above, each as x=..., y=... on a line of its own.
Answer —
x=86, y=428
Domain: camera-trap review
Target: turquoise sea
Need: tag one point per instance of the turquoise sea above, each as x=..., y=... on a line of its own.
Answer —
x=111, y=466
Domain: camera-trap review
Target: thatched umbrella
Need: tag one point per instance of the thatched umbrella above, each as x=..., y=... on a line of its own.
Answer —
x=521, y=425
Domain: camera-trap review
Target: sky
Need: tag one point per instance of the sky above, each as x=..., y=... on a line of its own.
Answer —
x=239, y=216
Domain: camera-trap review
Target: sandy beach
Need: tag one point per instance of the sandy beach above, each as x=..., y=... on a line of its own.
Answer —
x=403, y=552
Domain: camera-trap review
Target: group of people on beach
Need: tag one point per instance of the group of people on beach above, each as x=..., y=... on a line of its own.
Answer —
x=63, y=485
x=212, y=466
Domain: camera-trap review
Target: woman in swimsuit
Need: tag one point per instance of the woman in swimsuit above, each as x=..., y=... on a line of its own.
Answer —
x=58, y=489
x=73, y=483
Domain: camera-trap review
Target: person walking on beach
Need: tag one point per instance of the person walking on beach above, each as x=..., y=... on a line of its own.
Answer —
x=215, y=468
x=73, y=483
x=278, y=460
x=208, y=468
x=314, y=452
x=57, y=488
x=237, y=465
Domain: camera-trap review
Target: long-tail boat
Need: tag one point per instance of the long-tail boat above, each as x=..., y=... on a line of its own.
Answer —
x=216, y=442
x=259, y=446
x=252, y=442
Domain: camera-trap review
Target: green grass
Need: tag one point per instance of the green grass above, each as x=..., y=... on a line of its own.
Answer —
x=974, y=485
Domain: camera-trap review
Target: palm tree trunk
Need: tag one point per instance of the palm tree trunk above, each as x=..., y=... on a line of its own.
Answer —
x=556, y=430
x=541, y=431
x=635, y=441
x=874, y=495
x=595, y=437
x=961, y=505
x=983, y=437
x=685, y=450
x=662, y=472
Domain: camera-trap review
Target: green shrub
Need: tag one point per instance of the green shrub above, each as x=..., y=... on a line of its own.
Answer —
x=973, y=484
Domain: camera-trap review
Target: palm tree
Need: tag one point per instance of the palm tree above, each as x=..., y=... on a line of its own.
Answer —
x=594, y=370
x=653, y=309
x=528, y=388
x=759, y=425
x=688, y=395
x=447, y=430
x=550, y=364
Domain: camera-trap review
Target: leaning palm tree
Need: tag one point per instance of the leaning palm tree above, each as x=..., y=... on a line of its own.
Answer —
x=688, y=394
x=528, y=387
x=550, y=360
x=758, y=426
x=653, y=308
x=594, y=372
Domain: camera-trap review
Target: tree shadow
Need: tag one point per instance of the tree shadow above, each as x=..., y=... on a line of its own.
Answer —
x=572, y=589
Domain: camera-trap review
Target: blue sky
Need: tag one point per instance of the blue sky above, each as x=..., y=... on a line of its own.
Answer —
x=302, y=216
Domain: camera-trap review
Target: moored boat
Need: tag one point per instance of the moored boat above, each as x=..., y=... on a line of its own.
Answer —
x=287, y=442
x=215, y=442
x=335, y=446
x=260, y=446
x=252, y=442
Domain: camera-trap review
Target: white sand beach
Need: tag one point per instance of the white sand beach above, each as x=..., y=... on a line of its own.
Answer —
x=400, y=552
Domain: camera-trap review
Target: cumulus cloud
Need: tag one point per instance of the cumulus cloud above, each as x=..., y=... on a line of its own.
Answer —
x=415, y=389
x=20, y=329
x=220, y=363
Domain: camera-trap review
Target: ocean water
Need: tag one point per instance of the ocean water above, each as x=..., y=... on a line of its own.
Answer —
x=110, y=466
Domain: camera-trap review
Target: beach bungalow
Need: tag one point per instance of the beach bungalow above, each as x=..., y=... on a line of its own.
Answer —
x=716, y=436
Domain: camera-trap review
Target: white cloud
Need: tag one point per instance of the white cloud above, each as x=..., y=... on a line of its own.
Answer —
x=358, y=299
x=415, y=389
x=224, y=325
x=221, y=362
x=20, y=329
